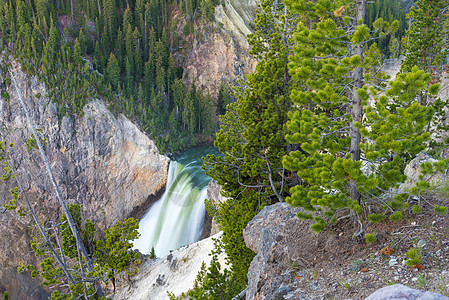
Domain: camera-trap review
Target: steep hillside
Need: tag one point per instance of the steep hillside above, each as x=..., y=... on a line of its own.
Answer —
x=218, y=51
x=101, y=161
x=174, y=273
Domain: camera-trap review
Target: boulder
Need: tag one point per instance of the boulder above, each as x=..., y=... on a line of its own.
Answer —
x=402, y=292
x=283, y=244
x=413, y=171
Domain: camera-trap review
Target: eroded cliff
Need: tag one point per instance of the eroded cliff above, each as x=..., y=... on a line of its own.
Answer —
x=101, y=161
x=218, y=51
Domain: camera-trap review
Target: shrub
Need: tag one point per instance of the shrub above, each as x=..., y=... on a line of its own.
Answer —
x=414, y=257
x=416, y=209
x=370, y=238
x=441, y=210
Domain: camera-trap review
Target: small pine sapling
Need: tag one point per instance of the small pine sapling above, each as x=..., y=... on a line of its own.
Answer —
x=414, y=257
x=370, y=238
x=152, y=253
x=416, y=209
x=441, y=210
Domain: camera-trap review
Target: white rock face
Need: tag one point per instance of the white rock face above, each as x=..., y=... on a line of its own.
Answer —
x=413, y=171
x=174, y=273
x=213, y=193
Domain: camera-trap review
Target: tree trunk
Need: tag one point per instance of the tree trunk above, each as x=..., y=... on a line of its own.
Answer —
x=357, y=104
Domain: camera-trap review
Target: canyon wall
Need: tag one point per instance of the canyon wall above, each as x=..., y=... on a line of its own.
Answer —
x=218, y=51
x=99, y=160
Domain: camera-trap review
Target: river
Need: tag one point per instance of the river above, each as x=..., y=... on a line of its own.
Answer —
x=177, y=218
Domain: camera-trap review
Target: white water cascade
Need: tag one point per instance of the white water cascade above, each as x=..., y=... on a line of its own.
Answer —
x=177, y=218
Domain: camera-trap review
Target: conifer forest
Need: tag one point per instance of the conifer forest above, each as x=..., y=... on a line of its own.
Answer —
x=319, y=123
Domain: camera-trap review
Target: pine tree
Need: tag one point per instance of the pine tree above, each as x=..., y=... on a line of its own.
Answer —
x=138, y=64
x=251, y=137
x=425, y=38
x=179, y=94
x=424, y=44
x=109, y=15
x=113, y=71
x=207, y=114
x=77, y=59
x=224, y=98
x=351, y=150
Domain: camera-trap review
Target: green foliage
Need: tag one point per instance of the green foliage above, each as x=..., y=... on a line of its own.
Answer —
x=376, y=218
x=5, y=295
x=113, y=71
x=389, y=11
x=186, y=29
x=5, y=95
x=224, y=98
x=425, y=39
x=441, y=210
x=212, y=282
x=396, y=216
x=85, y=228
x=7, y=175
x=152, y=253
x=422, y=281
x=370, y=238
x=21, y=267
x=414, y=257
x=111, y=255
x=251, y=138
x=31, y=143
x=114, y=253
x=416, y=209
x=350, y=151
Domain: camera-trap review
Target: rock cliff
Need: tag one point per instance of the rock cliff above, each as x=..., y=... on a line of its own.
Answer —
x=101, y=161
x=219, y=51
x=213, y=193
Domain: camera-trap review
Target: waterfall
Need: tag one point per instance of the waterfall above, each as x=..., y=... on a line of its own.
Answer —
x=177, y=218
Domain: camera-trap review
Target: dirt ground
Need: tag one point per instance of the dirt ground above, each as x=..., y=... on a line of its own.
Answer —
x=348, y=269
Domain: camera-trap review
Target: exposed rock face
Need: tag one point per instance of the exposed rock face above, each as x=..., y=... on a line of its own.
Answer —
x=101, y=161
x=278, y=238
x=221, y=53
x=213, y=193
x=399, y=291
x=413, y=171
x=174, y=273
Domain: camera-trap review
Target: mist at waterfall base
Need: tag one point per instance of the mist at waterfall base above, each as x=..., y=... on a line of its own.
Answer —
x=177, y=218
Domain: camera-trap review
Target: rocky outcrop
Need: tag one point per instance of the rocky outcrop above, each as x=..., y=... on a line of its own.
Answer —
x=399, y=291
x=213, y=193
x=280, y=241
x=220, y=51
x=413, y=171
x=292, y=262
x=101, y=161
x=174, y=273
